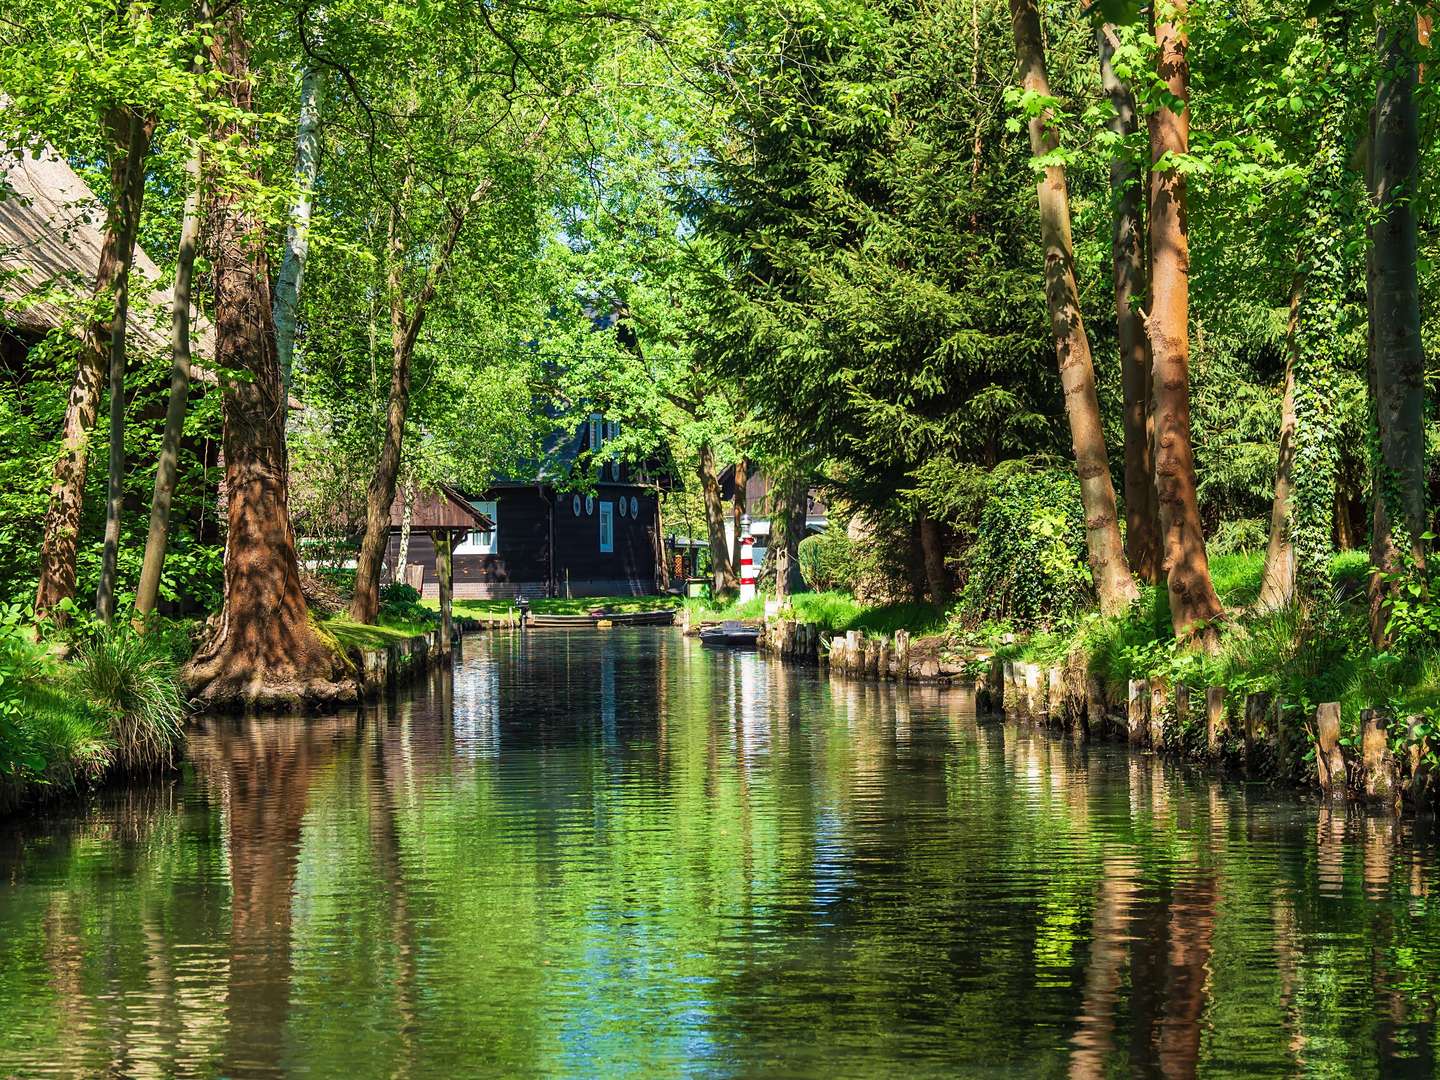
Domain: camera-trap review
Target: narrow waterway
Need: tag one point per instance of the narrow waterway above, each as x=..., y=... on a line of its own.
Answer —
x=598, y=854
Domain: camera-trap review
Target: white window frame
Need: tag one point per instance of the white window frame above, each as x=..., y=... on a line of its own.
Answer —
x=596, y=438
x=607, y=526
x=480, y=541
x=615, y=469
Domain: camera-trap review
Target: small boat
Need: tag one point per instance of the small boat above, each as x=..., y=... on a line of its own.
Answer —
x=664, y=617
x=731, y=635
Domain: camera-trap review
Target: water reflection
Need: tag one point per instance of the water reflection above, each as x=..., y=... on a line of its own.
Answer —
x=620, y=854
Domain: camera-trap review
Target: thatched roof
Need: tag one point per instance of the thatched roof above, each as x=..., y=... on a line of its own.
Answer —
x=50, y=234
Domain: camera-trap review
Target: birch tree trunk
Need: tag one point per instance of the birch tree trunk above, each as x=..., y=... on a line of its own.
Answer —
x=1394, y=299
x=67, y=492
x=1277, y=583
x=167, y=468
x=264, y=652
x=1113, y=584
x=1127, y=246
x=1193, y=600
x=406, y=513
x=134, y=150
x=297, y=233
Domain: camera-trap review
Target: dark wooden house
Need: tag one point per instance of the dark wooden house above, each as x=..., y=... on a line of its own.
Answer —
x=548, y=540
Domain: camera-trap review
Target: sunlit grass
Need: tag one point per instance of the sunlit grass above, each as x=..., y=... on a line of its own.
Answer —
x=504, y=610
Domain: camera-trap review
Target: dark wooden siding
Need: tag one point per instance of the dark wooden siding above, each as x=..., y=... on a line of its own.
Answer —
x=521, y=565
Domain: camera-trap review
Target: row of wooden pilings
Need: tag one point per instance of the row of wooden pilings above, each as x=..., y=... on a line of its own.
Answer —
x=1258, y=730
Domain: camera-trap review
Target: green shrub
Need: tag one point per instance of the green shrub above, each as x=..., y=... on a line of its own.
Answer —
x=400, y=606
x=827, y=561
x=1027, y=565
x=1239, y=537
x=133, y=681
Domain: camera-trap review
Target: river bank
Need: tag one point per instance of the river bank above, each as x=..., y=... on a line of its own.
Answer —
x=1295, y=696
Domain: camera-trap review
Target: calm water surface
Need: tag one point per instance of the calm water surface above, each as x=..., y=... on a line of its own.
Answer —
x=615, y=854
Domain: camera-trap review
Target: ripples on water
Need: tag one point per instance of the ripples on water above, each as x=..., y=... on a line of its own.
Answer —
x=616, y=854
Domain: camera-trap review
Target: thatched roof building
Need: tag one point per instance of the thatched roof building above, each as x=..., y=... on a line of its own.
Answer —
x=51, y=230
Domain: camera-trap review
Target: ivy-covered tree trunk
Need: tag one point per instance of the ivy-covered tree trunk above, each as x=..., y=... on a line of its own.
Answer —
x=1277, y=582
x=1108, y=566
x=1127, y=257
x=1193, y=601
x=1318, y=334
x=67, y=493
x=168, y=467
x=264, y=652
x=1394, y=300
x=722, y=572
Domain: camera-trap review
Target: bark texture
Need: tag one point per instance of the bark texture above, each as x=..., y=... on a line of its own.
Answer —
x=721, y=569
x=786, y=532
x=1192, y=593
x=1108, y=566
x=297, y=233
x=932, y=548
x=1398, y=353
x=1127, y=247
x=167, y=468
x=134, y=149
x=738, y=510
x=67, y=492
x=263, y=652
x=1277, y=583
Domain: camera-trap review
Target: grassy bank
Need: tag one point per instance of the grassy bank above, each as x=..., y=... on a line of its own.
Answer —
x=505, y=610
x=111, y=704
x=835, y=611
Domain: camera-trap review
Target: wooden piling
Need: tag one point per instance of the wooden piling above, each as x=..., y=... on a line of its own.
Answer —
x=1329, y=760
x=1375, y=757
x=1159, y=712
x=1056, y=697
x=1136, y=721
x=1214, y=719
x=1417, y=780
x=902, y=654
x=1256, y=706
x=1094, y=707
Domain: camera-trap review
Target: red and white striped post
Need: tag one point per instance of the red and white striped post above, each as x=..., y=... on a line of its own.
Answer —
x=747, y=561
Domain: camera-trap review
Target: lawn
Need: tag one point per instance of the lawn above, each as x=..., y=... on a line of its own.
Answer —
x=351, y=634
x=502, y=610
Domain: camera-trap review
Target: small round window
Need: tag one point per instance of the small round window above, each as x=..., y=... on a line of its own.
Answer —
x=614, y=470
x=622, y=507
x=575, y=505
x=634, y=507
x=589, y=504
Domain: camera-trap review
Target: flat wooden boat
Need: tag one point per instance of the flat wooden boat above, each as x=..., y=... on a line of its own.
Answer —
x=730, y=635
x=664, y=617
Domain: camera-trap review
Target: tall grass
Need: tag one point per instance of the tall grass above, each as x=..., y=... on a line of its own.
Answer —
x=133, y=683
x=837, y=612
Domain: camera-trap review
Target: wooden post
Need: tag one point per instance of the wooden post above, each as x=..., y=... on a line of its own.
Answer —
x=1159, y=710
x=1256, y=705
x=1034, y=691
x=1057, y=697
x=1214, y=719
x=1182, y=706
x=444, y=570
x=1375, y=756
x=1418, y=782
x=852, y=651
x=1136, y=720
x=1094, y=707
x=902, y=654
x=1329, y=761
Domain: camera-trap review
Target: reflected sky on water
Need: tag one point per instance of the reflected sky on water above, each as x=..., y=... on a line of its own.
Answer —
x=620, y=854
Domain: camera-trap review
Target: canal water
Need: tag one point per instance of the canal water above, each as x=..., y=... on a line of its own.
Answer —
x=618, y=854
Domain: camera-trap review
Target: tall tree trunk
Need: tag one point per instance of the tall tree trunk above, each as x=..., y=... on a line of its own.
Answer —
x=365, y=604
x=264, y=651
x=297, y=233
x=721, y=568
x=932, y=547
x=134, y=150
x=1127, y=247
x=407, y=488
x=1394, y=301
x=1113, y=583
x=787, y=529
x=738, y=508
x=67, y=492
x=167, y=469
x=1277, y=583
x=1193, y=601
